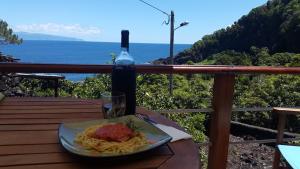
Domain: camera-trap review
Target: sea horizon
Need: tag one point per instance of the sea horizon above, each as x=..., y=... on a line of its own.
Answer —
x=85, y=52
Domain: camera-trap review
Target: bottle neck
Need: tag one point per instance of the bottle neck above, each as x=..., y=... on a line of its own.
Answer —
x=125, y=39
x=124, y=58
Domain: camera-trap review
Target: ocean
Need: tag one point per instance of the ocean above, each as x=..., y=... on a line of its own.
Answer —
x=81, y=52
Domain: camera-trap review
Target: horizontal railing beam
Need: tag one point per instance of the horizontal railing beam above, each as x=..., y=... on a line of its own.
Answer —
x=209, y=110
x=264, y=141
x=53, y=68
x=157, y=69
x=39, y=76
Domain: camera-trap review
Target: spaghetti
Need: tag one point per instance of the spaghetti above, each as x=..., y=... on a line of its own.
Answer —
x=88, y=140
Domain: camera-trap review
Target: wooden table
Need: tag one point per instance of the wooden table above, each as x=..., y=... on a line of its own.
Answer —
x=28, y=138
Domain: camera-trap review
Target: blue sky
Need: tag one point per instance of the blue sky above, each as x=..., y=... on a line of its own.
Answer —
x=102, y=20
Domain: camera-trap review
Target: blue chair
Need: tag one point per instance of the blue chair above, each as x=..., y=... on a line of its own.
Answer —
x=291, y=154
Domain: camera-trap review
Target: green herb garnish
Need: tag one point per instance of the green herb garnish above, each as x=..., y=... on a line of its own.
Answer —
x=130, y=124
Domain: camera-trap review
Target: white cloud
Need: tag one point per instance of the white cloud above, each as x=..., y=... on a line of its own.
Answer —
x=74, y=30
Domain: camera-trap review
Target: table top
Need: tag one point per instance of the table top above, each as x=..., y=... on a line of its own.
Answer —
x=29, y=137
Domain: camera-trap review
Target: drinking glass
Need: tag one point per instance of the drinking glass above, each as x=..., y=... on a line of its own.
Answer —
x=114, y=104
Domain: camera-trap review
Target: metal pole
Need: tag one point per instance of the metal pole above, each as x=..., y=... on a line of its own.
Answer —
x=171, y=52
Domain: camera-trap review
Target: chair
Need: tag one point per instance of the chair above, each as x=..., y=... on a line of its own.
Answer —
x=290, y=153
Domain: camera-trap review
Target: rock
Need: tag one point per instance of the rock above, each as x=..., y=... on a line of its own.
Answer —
x=8, y=83
x=244, y=156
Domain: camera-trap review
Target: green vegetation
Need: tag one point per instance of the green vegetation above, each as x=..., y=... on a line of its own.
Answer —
x=6, y=34
x=7, y=37
x=275, y=25
x=262, y=90
x=7, y=82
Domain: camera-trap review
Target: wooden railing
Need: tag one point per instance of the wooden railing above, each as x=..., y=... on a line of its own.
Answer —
x=294, y=136
x=157, y=69
x=223, y=89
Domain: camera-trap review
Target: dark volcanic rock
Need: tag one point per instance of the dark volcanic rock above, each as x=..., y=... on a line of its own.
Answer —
x=9, y=84
x=245, y=156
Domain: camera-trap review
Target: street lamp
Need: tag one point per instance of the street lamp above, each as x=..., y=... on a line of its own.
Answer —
x=182, y=24
x=171, y=20
x=172, y=30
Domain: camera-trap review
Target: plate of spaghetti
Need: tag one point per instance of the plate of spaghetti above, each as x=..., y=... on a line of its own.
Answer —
x=111, y=137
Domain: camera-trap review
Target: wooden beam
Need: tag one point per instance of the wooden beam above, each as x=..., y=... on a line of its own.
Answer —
x=158, y=69
x=223, y=90
x=280, y=130
x=285, y=110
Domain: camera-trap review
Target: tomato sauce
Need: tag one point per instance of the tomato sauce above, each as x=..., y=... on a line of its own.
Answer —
x=114, y=132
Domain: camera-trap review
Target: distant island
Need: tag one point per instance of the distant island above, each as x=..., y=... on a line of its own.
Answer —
x=39, y=36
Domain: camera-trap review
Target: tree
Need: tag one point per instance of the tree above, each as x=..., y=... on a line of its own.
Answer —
x=8, y=83
x=7, y=36
x=274, y=26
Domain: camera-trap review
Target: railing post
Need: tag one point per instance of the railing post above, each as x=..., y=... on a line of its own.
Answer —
x=223, y=90
x=280, y=134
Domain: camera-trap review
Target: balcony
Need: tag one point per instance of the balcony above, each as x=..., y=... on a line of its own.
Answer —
x=222, y=100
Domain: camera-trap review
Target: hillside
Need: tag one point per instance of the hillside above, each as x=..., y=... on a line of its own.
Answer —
x=275, y=25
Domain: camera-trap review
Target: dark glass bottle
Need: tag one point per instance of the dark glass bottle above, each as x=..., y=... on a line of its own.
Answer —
x=124, y=74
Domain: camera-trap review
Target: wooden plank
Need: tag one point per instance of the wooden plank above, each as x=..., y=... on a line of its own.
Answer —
x=49, y=166
x=283, y=110
x=28, y=137
x=49, y=111
x=160, y=69
x=96, y=115
x=35, y=127
x=56, y=148
x=185, y=156
x=280, y=132
x=26, y=159
x=30, y=149
x=49, y=99
x=34, y=107
x=145, y=162
x=33, y=103
x=42, y=121
x=42, y=101
x=220, y=120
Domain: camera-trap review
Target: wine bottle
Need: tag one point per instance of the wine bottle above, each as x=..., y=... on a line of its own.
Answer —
x=124, y=74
